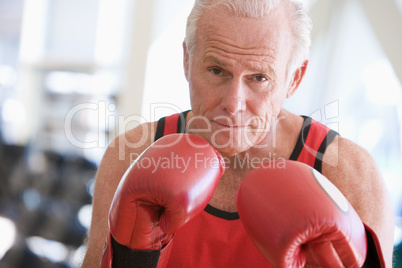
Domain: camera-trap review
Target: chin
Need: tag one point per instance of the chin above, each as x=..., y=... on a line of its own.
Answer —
x=230, y=148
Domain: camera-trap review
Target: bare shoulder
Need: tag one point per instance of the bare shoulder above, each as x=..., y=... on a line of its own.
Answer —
x=125, y=147
x=347, y=164
x=121, y=152
x=353, y=170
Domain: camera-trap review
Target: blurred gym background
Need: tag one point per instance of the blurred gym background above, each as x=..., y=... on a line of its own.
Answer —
x=76, y=73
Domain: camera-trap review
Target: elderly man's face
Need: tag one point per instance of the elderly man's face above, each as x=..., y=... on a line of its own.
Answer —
x=238, y=77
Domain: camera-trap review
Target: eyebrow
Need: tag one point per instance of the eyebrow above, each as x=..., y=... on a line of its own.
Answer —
x=268, y=70
x=215, y=60
x=262, y=70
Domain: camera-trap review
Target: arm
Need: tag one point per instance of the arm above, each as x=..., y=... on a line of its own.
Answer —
x=354, y=172
x=118, y=157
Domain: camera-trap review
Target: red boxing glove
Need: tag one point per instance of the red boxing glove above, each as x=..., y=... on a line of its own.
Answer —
x=169, y=184
x=297, y=218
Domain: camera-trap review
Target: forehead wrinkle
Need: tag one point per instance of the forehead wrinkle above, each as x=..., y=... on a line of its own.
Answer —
x=230, y=47
x=218, y=42
x=212, y=35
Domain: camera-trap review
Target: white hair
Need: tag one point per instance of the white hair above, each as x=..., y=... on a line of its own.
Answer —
x=300, y=21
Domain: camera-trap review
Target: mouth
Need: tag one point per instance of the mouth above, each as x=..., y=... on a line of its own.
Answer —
x=225, y=125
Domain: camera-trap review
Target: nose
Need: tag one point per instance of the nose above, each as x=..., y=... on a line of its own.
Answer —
x=234, y=99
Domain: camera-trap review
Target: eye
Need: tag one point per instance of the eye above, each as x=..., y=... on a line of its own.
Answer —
x=260, y=78
x=215, y=71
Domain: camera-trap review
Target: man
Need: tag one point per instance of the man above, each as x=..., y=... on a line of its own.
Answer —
x=242, y=59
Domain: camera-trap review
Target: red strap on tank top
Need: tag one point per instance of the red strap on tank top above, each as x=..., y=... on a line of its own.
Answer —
x=171, y=124
x=312, y=143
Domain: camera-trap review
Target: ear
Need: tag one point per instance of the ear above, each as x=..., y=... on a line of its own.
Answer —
x=296, y=79
x=186, y=60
